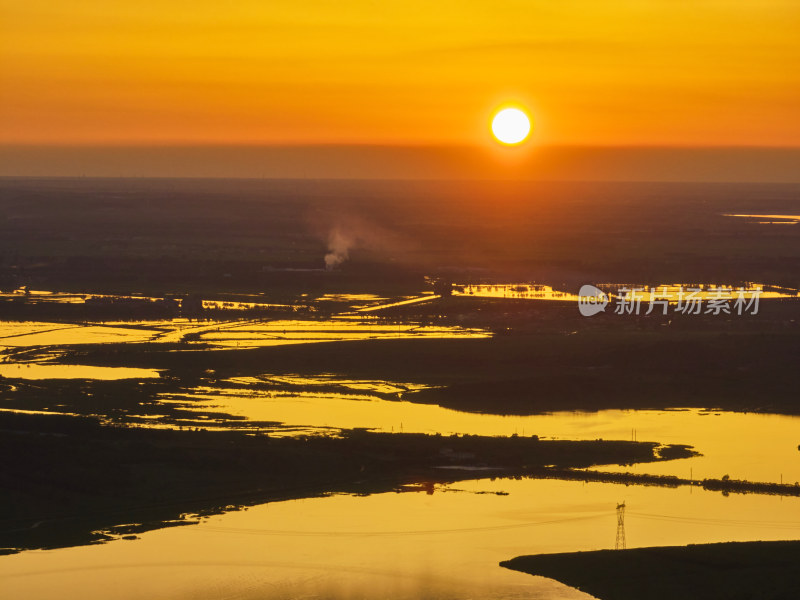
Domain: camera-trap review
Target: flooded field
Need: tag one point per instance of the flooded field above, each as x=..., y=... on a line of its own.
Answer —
x=26, y=334
x=143, y=406
x=770, y=219
x=751, y=446
x=298, y=332
x=444, y=543
x=440, y=541
x=221, y=334
x=744, y=446
x=40, y=371
x=527, y=291
x=670, y=292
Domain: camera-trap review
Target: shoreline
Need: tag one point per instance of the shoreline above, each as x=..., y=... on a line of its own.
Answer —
x=721, y=571
x=75, y=479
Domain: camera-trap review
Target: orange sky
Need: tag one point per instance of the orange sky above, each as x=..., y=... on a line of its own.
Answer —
x=653, y=72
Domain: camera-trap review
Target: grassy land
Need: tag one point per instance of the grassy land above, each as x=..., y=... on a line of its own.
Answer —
x=730, y=571
x=158, y=236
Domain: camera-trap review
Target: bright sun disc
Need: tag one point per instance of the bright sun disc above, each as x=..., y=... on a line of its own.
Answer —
x=511, y=126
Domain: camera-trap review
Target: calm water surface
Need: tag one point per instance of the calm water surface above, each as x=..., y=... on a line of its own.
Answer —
x=47, y=371
x=394, y=545
x=758, y=447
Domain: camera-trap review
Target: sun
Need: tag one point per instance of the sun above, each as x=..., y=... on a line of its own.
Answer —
x=511, y=126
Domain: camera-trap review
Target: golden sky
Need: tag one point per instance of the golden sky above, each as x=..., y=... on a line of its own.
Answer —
x=612, y=72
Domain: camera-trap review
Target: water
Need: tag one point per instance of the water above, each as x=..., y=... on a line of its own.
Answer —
x=26, y=334
x=222, y=334
x=280, y=332
x=395, y=545
x=758, y=447
x=770, y=219
x=672, y=291
x=441, y=545
x=46, y=371
x=524, y=291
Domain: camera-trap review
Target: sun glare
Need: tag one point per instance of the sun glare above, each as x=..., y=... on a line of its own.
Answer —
x=511, y=126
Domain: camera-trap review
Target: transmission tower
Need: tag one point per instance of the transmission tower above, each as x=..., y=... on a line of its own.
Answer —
x=620, y=545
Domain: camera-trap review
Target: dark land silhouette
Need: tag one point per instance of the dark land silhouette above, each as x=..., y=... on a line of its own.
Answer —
x=729, y=571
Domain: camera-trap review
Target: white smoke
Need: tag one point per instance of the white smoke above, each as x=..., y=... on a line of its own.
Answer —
x=339, y=245
x=350, y=232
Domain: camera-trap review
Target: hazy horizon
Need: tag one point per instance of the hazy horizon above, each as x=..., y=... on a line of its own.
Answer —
x=373, y=161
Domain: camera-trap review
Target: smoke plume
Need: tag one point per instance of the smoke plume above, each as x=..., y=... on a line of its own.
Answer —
x=347, y=234
x=339, y=245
